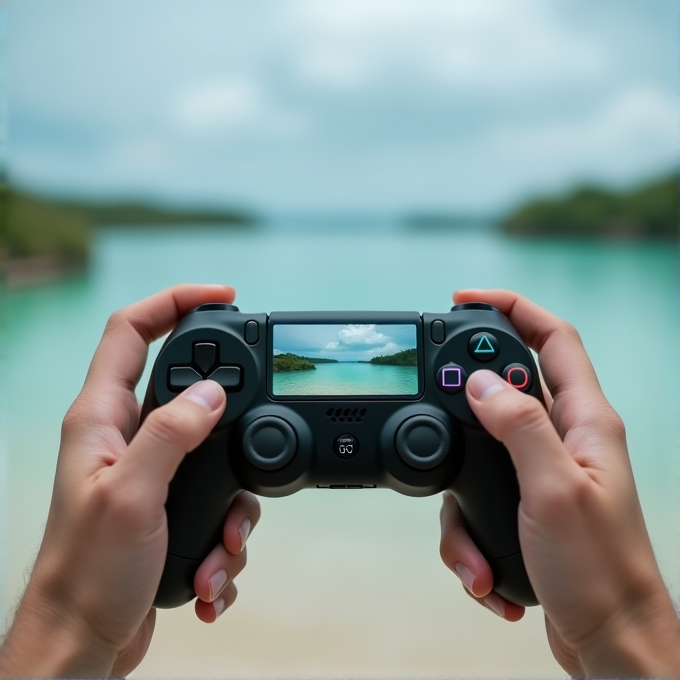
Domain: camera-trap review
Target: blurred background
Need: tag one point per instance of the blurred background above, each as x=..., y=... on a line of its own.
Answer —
x=373, y=154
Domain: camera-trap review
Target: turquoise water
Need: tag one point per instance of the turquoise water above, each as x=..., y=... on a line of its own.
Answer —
x=347, y=379
x=621, y=297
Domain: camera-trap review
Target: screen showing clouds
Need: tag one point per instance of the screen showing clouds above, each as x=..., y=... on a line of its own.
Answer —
x=344, y=342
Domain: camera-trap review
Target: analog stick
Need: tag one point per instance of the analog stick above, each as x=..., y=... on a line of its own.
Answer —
x=269, y=443
x=422, y=442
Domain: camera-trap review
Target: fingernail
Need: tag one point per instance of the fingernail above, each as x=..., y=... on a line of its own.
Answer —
x=219, y=606
x=244, y=530
x=206, y=393
x=465, y=575
x=217, y=582
x=482, y=384
x=496, y=605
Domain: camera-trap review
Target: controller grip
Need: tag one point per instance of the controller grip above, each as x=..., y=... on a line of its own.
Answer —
x=199, y=499
x=487, y=492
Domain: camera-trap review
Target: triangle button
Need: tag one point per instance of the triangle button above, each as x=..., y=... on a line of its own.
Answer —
x=483, y=346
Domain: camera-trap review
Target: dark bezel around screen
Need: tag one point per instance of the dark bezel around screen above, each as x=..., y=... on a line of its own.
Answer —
x=343, y=318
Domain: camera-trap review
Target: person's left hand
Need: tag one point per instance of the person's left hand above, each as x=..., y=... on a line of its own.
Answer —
x=87, y=609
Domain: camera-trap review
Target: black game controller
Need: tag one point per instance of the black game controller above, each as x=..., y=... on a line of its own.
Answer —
x=342, y=400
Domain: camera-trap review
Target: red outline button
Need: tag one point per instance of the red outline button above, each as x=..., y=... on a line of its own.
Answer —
x=519, y=376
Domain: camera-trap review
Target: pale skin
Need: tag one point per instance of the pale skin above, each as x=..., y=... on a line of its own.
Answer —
x=582, y=533
x=87, y=610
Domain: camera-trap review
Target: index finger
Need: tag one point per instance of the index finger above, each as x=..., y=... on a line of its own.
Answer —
x=119, y=360
x=121, y=354
x=565, y=365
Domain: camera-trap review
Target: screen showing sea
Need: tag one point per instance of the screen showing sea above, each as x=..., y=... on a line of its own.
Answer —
x=344, y=360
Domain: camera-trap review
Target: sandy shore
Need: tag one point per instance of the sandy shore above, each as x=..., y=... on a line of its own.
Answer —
x=357, y=590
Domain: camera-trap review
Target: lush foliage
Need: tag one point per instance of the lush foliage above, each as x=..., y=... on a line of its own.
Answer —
x=39, y=226
x=650, y=212
x=291, y=362
x=409, y=357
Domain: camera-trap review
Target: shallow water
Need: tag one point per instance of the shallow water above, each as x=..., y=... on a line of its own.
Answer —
x=349, y=582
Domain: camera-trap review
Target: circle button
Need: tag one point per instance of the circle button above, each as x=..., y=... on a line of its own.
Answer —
x=422, y=442
x=269, y=443
x=346, y=446
x=518, y=375
x=483, y=346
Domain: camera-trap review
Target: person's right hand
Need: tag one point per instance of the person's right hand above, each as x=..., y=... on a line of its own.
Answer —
x=581, y=529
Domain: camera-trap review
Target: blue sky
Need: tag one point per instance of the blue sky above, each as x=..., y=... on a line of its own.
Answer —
x=346, y=342
x=384, y=106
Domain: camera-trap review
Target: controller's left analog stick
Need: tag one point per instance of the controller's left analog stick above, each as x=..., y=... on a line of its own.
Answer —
x=422, y=442
x=269, y=443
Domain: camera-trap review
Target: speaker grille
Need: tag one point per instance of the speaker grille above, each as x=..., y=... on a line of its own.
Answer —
x=346, y=415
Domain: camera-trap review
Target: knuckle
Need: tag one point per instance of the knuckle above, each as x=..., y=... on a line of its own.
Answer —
x=170, y=426
x=78, y=418
x=612, y=425
x=569, y=331
x=562, y=503
x=522, y=413
x=115, y=321
x=110, y=500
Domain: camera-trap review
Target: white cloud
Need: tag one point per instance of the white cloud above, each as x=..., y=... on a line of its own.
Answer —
x=218, y=104
x=635, y=132
x=486, y=46
x=232, y=104
x=354, y=335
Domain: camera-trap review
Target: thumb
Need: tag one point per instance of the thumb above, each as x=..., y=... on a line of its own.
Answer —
x=523, y=425
x=170, y=432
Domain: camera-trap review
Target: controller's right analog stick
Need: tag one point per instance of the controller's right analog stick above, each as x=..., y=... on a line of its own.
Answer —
x=422, y=442
x=269, y=443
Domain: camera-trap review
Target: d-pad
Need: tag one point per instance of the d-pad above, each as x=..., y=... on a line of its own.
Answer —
x=205, y=366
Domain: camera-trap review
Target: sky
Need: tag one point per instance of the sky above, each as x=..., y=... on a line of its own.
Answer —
x=365, y=106
x=346, y=342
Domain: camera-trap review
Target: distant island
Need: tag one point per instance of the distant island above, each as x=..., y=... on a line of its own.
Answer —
x=284, y=363
x=648, y=212
x=409, y=357
x=42, y=233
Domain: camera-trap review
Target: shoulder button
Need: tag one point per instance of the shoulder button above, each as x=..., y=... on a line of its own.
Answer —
x=216, y=307
x=474, y=305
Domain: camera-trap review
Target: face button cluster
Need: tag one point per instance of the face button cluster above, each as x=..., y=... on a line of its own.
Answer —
x=205, y=366
x=482, y=347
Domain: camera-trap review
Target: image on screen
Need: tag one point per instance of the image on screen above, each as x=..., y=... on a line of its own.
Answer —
x=344, y=360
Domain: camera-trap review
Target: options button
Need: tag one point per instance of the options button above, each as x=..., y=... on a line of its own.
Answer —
x=518, y=375
x=451, y=378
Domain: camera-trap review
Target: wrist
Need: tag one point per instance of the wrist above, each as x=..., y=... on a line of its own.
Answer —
x=47, y=640
x=645, y=643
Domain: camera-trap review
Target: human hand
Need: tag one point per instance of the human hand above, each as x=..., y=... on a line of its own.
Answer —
x=87, y=609
x=581, y=528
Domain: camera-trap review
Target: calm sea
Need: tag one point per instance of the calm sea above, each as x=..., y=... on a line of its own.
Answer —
x=347, y=378
x=358, y=564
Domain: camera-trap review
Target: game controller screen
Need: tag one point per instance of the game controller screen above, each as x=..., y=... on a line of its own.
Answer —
x=344, y=360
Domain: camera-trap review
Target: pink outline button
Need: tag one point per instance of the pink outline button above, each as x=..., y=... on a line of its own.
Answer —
x=451, y=378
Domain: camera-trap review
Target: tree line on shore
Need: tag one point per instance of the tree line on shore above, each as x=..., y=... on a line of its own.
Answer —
x=36, y=225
